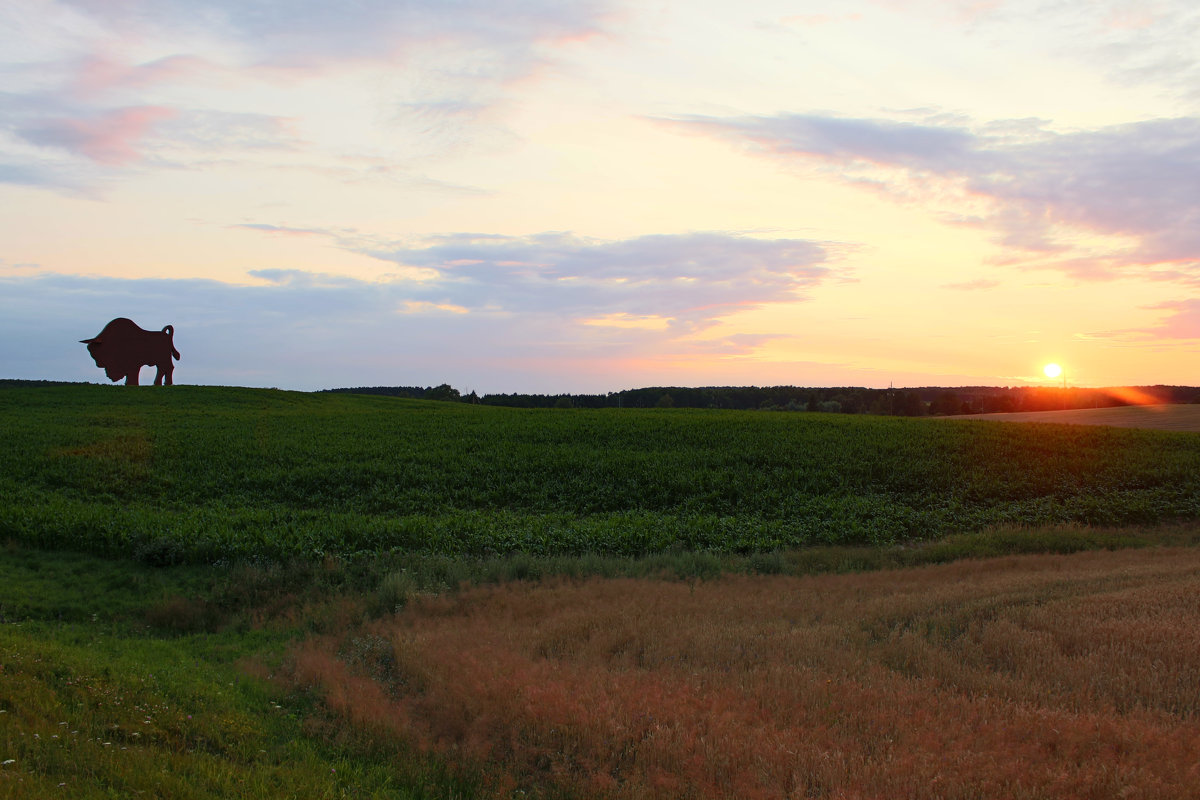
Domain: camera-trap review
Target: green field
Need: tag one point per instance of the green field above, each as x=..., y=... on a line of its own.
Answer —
x=214, y=592
x=199, y=474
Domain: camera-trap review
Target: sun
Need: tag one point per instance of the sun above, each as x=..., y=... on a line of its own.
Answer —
x=1052, y=370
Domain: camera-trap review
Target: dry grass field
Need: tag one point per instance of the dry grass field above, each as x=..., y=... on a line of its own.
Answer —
x=1161, y=417
x=1024, y=677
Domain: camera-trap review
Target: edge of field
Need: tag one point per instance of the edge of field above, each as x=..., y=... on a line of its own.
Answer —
x=1155, y=417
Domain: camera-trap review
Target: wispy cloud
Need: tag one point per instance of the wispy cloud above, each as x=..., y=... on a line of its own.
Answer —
x=41, y=176
x=111, y=137
x=1142, y=43
x=1149, y=45
x=58, y=142
x=282, y=230
x=689, y=279
x=137, y=84
x=308, y=33
x=1183, y=322
x=1135, y=180
x=97, y=73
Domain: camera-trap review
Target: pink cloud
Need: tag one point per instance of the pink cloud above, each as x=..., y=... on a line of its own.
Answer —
x=99, y=73
x=307, y=35
x=110, y=138
x=1183, y=323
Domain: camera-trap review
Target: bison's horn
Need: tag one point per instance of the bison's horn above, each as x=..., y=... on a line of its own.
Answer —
x=89, y=341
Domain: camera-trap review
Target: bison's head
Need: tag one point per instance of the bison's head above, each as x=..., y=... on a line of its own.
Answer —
x=96, y=351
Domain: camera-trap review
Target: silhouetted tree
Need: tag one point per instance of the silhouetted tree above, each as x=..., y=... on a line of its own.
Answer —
x=946, y=403
x=910, y=404
x=443, y=392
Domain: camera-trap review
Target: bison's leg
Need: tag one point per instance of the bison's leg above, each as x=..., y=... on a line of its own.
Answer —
x=131, y=377
x=165, y=368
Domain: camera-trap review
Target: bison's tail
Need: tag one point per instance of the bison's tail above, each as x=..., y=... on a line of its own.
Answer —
x=169, y=330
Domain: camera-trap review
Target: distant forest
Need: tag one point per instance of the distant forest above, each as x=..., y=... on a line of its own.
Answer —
x=910, y=402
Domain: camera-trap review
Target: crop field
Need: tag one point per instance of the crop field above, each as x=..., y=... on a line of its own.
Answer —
x=201, y=474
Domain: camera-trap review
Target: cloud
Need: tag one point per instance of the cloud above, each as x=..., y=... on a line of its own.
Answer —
x=208, y=131
x=305, y=33
x=1182, y=323
x=112, y=137
x=282, y=230
x=74, y=148
x=1137, y=44
x=1148, y=45
x=1134, y=180
x=690, y=279
x=879, y=141
x=137, y=84
x=498, y=313
x=98, y=73
x=40, y=176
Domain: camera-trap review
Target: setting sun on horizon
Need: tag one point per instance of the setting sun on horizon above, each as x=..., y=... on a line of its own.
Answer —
x=1052, y=370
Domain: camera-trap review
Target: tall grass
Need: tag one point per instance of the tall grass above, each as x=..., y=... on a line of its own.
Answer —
x=1026, y=676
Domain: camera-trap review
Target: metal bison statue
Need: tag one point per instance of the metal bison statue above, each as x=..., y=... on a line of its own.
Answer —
x=122, y=348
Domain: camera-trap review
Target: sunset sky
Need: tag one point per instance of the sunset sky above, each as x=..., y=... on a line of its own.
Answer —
x=556, y=196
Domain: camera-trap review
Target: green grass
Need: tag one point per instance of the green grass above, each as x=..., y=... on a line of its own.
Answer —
x=202, y=474
x=106, y=690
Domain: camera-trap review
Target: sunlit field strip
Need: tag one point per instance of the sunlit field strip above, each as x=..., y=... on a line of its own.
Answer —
x=1157, y=417
x=1024, y=677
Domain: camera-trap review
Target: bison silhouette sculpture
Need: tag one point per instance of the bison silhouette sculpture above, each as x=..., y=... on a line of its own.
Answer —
x=122, y=349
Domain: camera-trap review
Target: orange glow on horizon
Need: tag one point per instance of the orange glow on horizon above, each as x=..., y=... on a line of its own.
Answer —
x=1133, y=397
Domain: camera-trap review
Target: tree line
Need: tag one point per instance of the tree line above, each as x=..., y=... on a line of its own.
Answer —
x=907, y=402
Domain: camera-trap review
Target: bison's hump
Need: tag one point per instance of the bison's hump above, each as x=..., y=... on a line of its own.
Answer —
x=121, y=325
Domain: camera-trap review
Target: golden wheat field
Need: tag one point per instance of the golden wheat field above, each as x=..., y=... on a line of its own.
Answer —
x=1025, y=677
x=1161, y=417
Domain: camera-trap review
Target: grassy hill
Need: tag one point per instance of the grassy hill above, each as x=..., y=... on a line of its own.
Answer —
x=207, y=473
